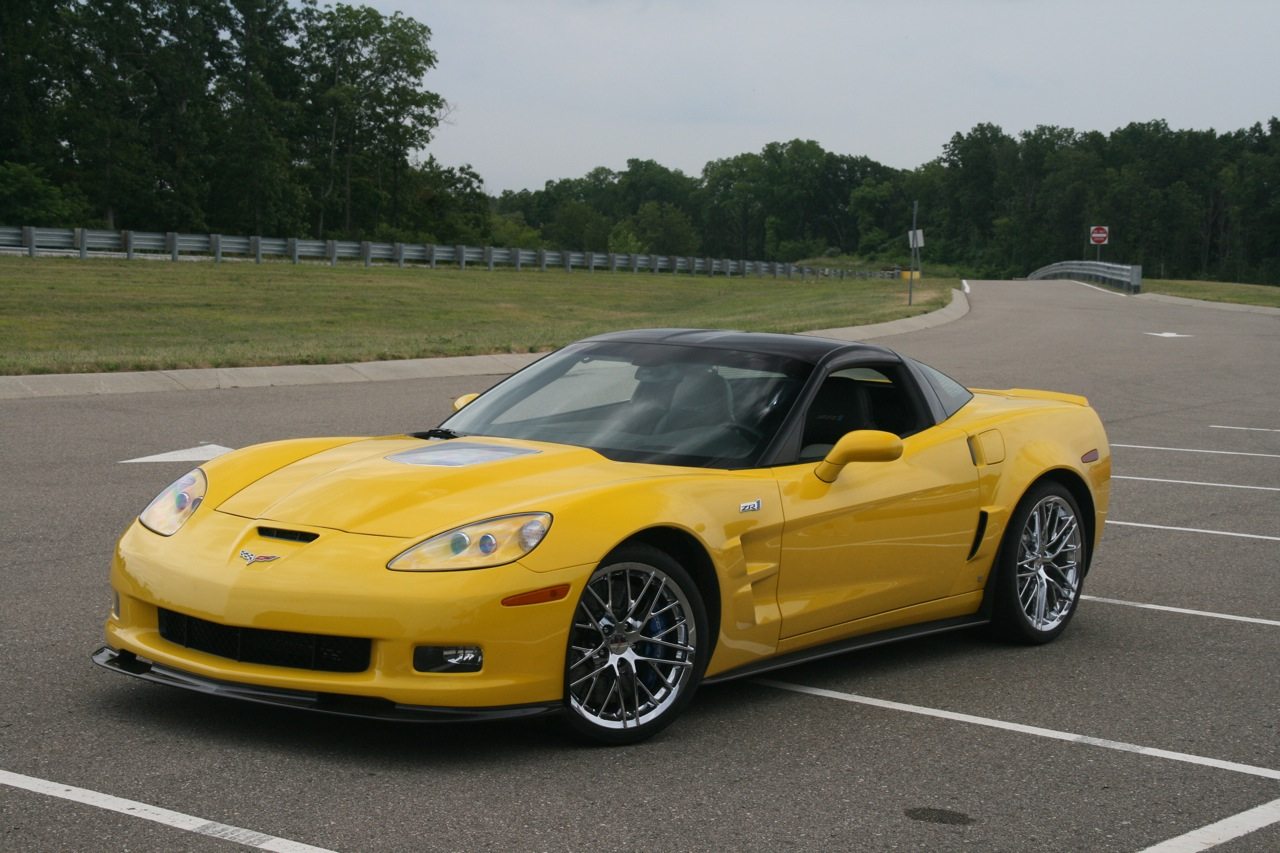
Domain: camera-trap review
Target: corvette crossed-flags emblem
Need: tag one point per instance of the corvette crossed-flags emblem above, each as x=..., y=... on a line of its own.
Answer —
x=250, y=558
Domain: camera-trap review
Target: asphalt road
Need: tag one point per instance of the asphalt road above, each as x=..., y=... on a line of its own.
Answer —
x=751, y=765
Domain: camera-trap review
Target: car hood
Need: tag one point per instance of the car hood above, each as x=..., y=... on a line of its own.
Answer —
x=410, y=488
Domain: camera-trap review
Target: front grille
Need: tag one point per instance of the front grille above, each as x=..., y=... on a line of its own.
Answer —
x=274, y=648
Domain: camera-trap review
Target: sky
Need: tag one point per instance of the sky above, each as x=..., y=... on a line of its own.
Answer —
x=548, y=89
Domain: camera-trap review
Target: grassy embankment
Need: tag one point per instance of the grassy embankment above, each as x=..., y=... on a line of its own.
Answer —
x=1215, y=291
x=63, y=315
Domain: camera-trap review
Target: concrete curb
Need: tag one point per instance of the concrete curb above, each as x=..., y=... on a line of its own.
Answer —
x=206, y=379
x=1204, y=303
x=957, y=308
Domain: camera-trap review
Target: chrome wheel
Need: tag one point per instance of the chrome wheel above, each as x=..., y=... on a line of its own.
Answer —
x=1049, y=564
x=633, y=648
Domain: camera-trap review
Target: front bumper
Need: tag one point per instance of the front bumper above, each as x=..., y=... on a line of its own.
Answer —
x=337, y=585
x=325, y=703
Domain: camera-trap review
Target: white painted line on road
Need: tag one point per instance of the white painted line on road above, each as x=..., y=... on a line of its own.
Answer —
x=1221, y=832
x=201, y=453
x=964, y=283
x=1193, y=450
x=1249, y=429
x=1095, y=287
x=155, y=814
x=1197, y=483
x=1183, y=610
x=1248, y=769
x=1194, y=530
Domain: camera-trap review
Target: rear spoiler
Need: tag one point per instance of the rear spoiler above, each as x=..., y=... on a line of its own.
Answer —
x=1033, y=394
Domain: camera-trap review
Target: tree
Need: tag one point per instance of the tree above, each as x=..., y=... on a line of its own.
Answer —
x=366, y=111
x=27, y=197
x=258, y=91
x=664, y=229
x=33, y=65
x=732, y=207
x=103, y=114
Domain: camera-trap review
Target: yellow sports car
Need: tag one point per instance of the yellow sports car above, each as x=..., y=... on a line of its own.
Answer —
x=631, y=516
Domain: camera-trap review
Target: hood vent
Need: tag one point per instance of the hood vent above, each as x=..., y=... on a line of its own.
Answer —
x=287, y=535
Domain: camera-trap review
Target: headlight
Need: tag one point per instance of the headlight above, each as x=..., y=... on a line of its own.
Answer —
x=172, y=507
x=476, y=546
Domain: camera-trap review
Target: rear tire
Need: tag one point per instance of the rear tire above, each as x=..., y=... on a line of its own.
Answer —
x=1040, y=567
x=638, y=647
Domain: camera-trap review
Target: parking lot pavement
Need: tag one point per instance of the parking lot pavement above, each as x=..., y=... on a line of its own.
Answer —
x=1138, y=726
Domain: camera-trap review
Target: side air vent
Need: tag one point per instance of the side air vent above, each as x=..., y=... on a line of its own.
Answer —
x=287, y=535
x=978, y=534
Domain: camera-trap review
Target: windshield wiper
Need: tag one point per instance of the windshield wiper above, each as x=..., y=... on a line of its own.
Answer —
x=437, y=432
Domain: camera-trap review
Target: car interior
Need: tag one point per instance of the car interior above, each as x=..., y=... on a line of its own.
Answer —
x=852, y=399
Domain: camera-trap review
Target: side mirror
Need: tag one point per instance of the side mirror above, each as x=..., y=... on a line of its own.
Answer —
x=463, y=400
x=864, y=445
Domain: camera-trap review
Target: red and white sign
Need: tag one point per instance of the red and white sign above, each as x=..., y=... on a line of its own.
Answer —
x=1099, y=235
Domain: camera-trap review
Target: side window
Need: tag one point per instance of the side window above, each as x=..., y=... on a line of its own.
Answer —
x=950, y=393
x=853, y=398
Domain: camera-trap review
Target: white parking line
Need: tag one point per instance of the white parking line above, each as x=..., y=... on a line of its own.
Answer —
x=177, y=820
x=1249, y=429
x=1222, y=831
x=1194, y=530
x=1168, y=609
x=1192, y=450
x=1197, y=483
x=1249, y=769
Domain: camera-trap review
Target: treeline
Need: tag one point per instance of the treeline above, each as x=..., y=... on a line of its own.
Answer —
x=266, y=117
x=239, y=116
x=1183, y=203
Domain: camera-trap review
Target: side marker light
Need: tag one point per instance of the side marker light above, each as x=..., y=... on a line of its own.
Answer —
x=537, y=596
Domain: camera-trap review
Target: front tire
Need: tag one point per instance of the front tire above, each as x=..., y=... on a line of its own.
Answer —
x=1040, y=567
x=638, y=647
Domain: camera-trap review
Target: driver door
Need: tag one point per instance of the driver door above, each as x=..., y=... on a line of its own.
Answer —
x=885, y=535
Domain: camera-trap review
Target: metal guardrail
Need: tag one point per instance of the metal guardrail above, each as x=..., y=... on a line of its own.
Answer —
x=132, y=244
x=1127, y=278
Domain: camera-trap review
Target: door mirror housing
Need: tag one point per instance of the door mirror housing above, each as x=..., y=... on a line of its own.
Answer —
x=864, y=445
x=463, y=401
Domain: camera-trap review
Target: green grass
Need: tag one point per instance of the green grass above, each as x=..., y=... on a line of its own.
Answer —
x=1215, y=291
x=64, y=315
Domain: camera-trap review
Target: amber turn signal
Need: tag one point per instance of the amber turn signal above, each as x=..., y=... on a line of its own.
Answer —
x=538, y=596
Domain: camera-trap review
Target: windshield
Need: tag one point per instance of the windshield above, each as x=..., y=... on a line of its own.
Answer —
x=634, y=402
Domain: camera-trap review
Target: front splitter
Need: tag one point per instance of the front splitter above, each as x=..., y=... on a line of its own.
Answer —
x=324, y=703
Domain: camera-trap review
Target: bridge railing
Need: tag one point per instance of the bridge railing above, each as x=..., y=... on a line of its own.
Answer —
x=1127, y=278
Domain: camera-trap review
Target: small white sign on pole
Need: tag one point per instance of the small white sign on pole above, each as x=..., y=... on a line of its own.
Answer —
x=1099, y=235
x=916, y=238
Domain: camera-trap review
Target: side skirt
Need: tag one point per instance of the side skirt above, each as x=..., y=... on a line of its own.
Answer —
x=839, y=647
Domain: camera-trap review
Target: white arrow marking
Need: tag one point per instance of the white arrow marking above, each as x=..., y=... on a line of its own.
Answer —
x=1167, y=335
x=202, y=453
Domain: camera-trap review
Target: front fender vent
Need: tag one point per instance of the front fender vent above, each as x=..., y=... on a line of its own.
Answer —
x=978, y=534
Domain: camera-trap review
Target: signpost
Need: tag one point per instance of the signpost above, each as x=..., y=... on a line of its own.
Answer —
x=1099, y=235
x=915, y=239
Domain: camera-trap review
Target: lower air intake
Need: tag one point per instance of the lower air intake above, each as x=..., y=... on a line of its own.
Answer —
x=273, y=648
